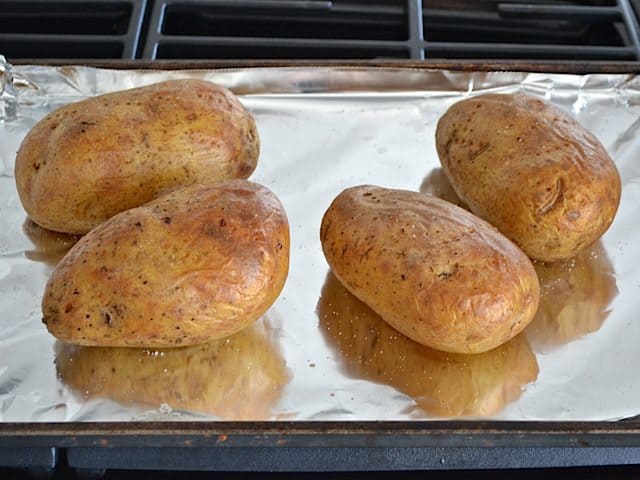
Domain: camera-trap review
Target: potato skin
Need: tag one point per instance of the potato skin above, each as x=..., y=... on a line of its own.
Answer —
x=433, y=271
x=89, y=160
x=195, y=265
x=237, y=378
x=531, y=170
x=442, y=384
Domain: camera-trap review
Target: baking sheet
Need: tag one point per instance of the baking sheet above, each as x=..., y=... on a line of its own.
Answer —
x=318, y=354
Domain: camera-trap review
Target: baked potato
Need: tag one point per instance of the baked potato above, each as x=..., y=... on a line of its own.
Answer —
x=195, y=265
x=89, y=160
x=530, y=170
x=574, y=298
x=442, y=384
x=435, y=272
x=237, y=378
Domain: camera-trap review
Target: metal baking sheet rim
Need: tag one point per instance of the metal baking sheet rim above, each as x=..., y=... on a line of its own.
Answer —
x=37, y=89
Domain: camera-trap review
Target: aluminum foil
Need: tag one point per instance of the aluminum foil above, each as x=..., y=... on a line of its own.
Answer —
x=319, y=354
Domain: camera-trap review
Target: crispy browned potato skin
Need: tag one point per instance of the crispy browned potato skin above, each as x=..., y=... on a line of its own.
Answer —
x=89, y=160
x=192, y=266
x=433, y=271
x=443, y=384
x=531, y=170
x=574, y=297
x=237, y=378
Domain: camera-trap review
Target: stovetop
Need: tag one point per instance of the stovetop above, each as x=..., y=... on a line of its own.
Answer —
x=321, y=29
x=317, y=29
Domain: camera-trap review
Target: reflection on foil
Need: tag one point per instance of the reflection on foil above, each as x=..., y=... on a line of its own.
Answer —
x=574, y=298
x=238, y=378
x=442, y=384
x=49, y=246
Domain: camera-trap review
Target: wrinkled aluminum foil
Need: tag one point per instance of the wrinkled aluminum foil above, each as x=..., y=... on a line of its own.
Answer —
x=319, y=354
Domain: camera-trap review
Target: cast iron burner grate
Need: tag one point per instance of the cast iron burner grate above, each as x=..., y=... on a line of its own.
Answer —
x=320, y=29
x=417, y=29
x=70, y=28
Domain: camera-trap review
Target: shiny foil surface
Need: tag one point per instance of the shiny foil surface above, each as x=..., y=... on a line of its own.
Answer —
x=319, y=354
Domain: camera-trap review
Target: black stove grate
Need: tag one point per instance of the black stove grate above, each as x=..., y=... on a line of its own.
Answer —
x=278, y=29
x=71, y=29
x=416, y=29
x=534, y=30
x=320, y=29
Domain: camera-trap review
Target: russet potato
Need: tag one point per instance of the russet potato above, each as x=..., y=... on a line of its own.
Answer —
x=87, y=161
x=194, y=265
x=435, y=272
x=530, y=170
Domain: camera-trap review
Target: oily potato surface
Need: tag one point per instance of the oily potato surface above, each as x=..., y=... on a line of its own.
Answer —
x=237, y=378
x=443, y=384
x=433, y=271
x=530, y=170
x=89, y=160
x=194, y=265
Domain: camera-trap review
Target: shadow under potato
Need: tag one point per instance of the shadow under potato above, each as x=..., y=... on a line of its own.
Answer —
x=437, y=184
x=442, y=384
x=49, y=246
x=236, y=378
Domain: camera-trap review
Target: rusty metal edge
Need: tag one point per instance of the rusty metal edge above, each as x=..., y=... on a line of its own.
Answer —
x=324, y=434
x=460, y=65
